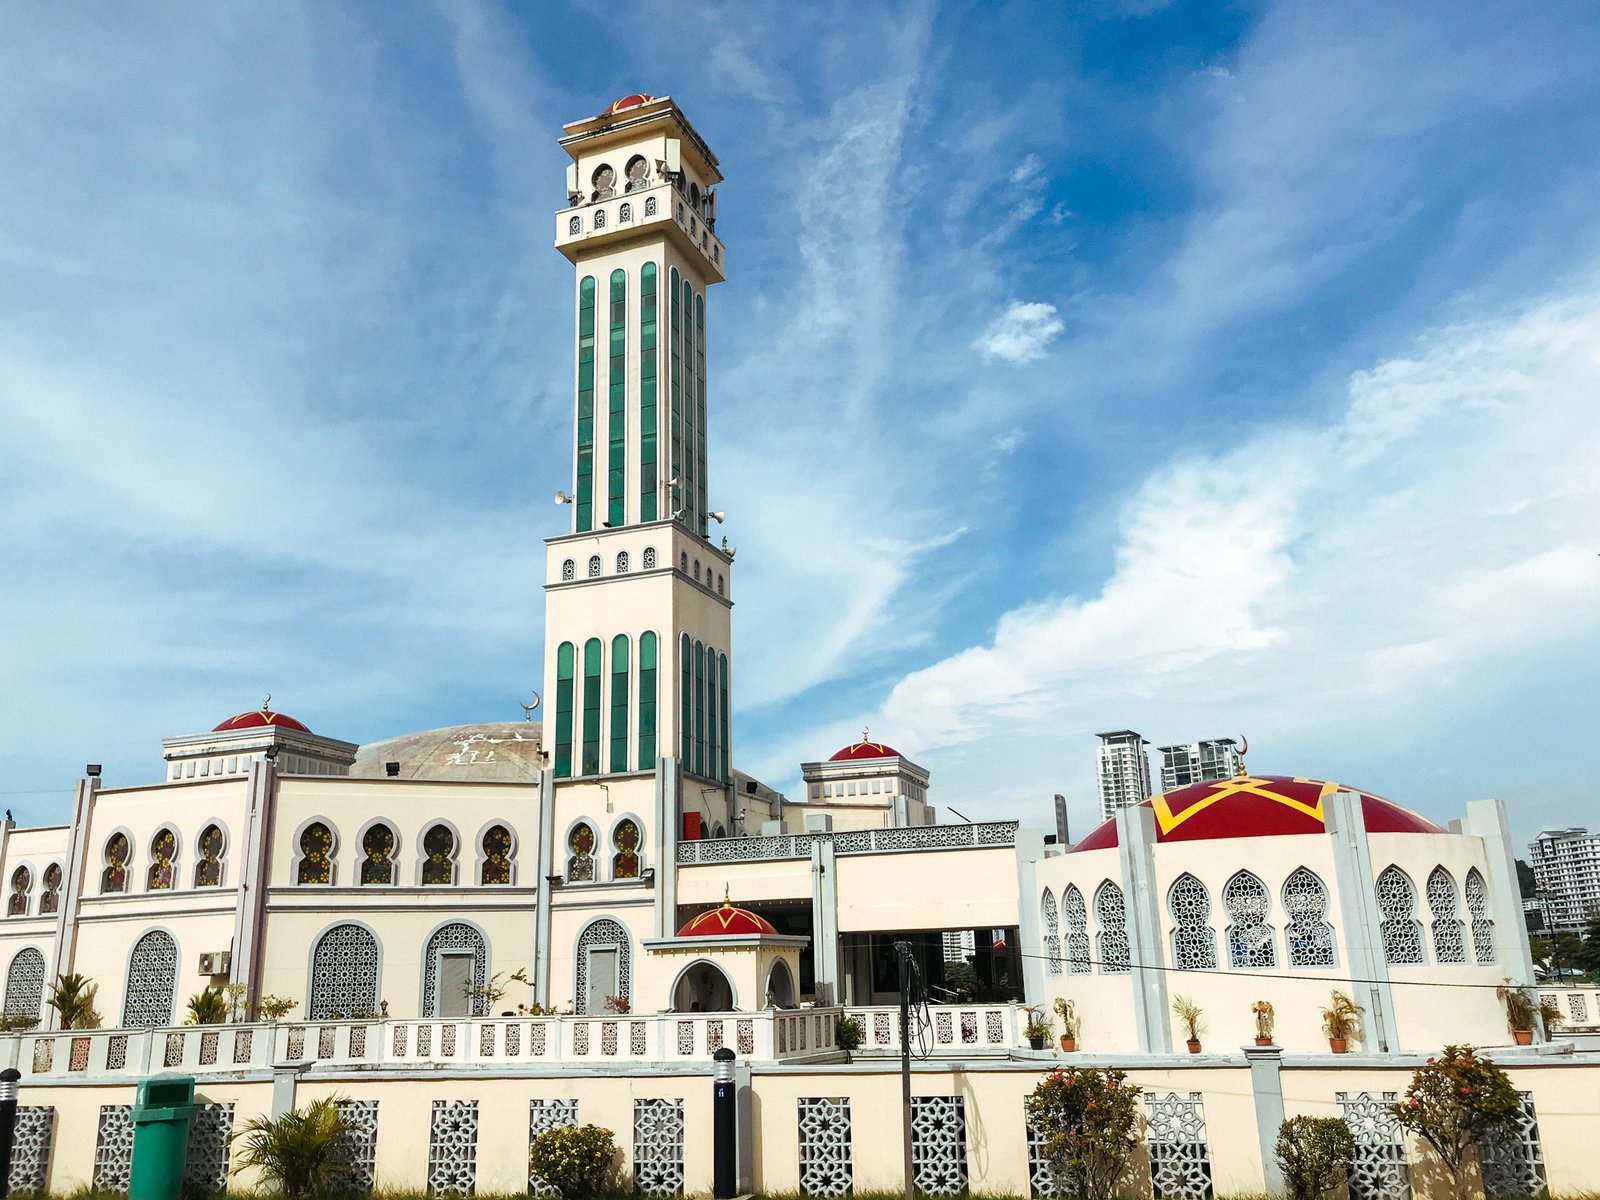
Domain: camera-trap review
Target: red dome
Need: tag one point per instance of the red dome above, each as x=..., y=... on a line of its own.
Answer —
x=259, y=719
x=865, y=749
x=726, y=921
x=1256, y=806
x=636, y=100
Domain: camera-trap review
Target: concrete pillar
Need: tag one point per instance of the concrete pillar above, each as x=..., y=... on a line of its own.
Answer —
x=1030, y=925
x=73, y=885
x=255, y=865
x=1486, y=819
x=825, y=922
x=1359, y=928
x=669, y=791
x=550, y=864
x=1266, y=1084
x=1136, y=839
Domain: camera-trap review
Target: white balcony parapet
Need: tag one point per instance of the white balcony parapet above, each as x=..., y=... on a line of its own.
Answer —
x=983, y=835
x=967, y=1030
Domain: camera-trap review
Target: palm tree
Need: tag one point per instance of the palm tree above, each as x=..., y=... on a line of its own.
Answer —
x=208, y=1007
x=72, y=996
x=302, y=1152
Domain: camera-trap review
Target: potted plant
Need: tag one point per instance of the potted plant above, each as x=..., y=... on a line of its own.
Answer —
x=1262, y=1011
x=1071, y=1022
x=1340, y=1020
x=1189, y=1013
x=1521, y=1009
x=1549, y=1014
x=1038, y=1028
x=848, y=1034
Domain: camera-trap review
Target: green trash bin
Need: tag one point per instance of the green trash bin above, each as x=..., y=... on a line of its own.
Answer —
x=160, y=1137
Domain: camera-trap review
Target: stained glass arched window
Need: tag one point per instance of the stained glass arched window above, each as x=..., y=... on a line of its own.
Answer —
x=1194, y=942
x=1075, y=941
x=1050, y=918
x=625, y=841
x=208, y=870
x=152, y=977
x=115, y=876
x=438, y=856
x=25, y=984
x=1477, y=909
x=1444, y=902
x=316, y=854
x=1398, y=924
x=580, y=853
x=163, y=850
x=377, y=855
x=51, y=896
x=1112, y=939
x=496, y=867
x=1251, y=941
x=1309, y=936
x=344, y=974
x=21, y=884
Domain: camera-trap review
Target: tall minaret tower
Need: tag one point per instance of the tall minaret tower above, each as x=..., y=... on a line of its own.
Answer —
x=637, y=598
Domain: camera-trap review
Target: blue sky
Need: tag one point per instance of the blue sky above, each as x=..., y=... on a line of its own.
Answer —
x=1197, y=369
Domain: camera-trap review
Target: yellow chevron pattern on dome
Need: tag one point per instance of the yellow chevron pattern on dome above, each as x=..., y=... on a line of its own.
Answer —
x=1244, y=785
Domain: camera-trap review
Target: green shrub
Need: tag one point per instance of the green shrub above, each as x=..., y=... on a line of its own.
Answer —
x=849, y=1032
x=1088, y=1126
x=1455, y=1100
x=209, y=1007
x=302, y=1153
x=1314, y=1153
x=576, y=1160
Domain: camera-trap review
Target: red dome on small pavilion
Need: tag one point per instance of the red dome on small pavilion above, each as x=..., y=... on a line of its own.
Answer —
x=1256, y=806
x=726, y=921
x=636, y=100
x=865, y=749
x=260, y=719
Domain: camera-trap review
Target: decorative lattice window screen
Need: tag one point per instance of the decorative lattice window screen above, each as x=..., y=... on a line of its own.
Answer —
x=1512, y=1160
x=30, y=1154
x=1180, y=1160
x=826, y=1167
x=1075, y=943
x=1050, y=918
x=113, y=1148
x=205, y=1168
x=457, y=935
x=25, y=983
x=604, y=932
x=939, y=1145
x=1112, y=939
x=543, y=1116
x=1398, y=924
x=1444, y=902
x=453, y=1148
x=1380, y=1170
x=1309, y=937
x=344, y=973
x=1194, y=942
x=658, y=1146
x=152, y=976
x=1251, y=941
x=360, y=1148
x=1478, y=910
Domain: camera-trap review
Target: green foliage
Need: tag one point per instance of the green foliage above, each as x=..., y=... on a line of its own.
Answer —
x=1314, y=1153
x=576, y=1160
x=1190, y=1014
x=1549, y=1014
x=72, y=996
x=1342, y=1017
x=301, y=1153
x=17, y=1022
x=1455, y=1100
x=1088, y=1123
x=273, y=1007
x=1038, y=1024
x=849, y=1032
x=1521, y=1005
x=209, y=1007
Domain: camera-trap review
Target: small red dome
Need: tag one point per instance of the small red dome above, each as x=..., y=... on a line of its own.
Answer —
x=1256, y=806
x=865, y=749
x=726, y=921
x=636, y=100
x=260, y=719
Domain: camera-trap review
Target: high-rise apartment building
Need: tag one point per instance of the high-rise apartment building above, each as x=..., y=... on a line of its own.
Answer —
x=1124, y=770
x=1566, y=863
x=1196, y=762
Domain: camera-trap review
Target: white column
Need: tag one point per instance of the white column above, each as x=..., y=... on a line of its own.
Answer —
x=1487, y=819
x=1136, y=837
x=1359, y=918
x=825, y=922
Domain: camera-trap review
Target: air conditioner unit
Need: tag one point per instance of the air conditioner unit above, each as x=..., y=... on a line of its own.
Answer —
x=218, y=962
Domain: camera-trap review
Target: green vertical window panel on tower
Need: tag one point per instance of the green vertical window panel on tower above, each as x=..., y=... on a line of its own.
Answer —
x=711, y=711
x=686, y=705
x=688, y=475
x=585, y=501
x=675, y=386
x=619, y=703
x=722, y=709
x=591, y=707
x=649, y=485
x=699, y=708
x=617, y=386
x=647, y=701
x=700, y=506
x=564, y=666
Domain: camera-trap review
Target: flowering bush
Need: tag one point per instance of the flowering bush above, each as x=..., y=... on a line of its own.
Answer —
x=576, y=1160
x=1454, y=1100
x=1088, y=1125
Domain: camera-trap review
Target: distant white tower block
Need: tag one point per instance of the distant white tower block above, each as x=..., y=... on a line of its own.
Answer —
x=1198, y=762
x=1124, y=770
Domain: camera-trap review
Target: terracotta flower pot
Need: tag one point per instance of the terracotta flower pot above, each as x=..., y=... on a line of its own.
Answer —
x=1068, y=1044
x=1338, y=1045
x=1263, y=1041
x=1194, y=1045
x=1524, y=1036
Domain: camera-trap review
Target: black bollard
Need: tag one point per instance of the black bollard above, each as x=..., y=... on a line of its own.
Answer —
x=724, y=1128
x=8, y=1125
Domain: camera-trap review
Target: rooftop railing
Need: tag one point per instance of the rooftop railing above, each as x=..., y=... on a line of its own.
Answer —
x=982, y=835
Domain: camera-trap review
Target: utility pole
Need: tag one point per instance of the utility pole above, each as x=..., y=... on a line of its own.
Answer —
x=903, y=953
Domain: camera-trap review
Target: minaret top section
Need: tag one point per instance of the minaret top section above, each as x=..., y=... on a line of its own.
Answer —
x=640, y=170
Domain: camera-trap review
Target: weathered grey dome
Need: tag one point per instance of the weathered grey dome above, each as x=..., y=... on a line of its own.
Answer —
x=496, y=750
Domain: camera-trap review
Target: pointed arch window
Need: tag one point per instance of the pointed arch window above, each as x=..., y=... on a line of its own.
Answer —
x=1444, y=902
x=377, y=855
x=647, y=700
x=619, y=702
x=1075, y=942
x=625, y=843
x=1112, y=916
x=1194, y=942
x=1050, y=918
x=316, y=854
x=114, y=878
x=50, y=898
x=1398, y=924
x=438, y=856
x=1477, y=909
x=152, y=978
x=25, y=984
x=566, y=654
x=344, y=974
x=21, y=885
x=163, y=850
x=1251, y=941
x=591, y=707
x=1309, y=937
x=208, y=870
x=496, y=869
x=580, y=853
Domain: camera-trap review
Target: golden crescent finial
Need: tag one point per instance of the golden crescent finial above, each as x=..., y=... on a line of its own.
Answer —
x=1244, y=748
x=528, y=709
x=266, y=705
x=726, y=902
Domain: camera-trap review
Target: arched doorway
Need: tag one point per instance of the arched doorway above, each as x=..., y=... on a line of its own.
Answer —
x=604, y=966
x=152, y=977
x=454, y=967
x=703, y=987
x=780, y=986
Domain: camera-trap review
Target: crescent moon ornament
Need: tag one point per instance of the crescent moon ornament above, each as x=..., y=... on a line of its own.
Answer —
x=1244, y=748
x=528, y=709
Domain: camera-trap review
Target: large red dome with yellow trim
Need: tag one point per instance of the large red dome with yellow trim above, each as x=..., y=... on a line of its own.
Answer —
x=726, y=921
x=865, y=749
x=1256, y=806
x=260, y=719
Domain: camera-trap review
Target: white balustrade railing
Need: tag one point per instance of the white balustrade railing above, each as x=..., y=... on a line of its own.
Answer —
x=855, y=841
x=774, y=1034
x=948, y=1029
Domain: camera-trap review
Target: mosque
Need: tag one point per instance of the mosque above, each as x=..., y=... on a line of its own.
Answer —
x=527, y=903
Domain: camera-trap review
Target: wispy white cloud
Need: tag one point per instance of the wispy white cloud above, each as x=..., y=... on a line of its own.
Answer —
x=1022, y=333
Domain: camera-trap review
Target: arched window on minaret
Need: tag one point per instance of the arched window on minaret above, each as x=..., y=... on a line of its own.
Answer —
x=686, y=703
x=650, y=206
x=648, y=483
x=722, y=672
x=564, y=671
x=592, y=653
x=583, y=514
x=624, y=213
x=647, y=702
x=617, y=389
x=711, y=712
x=638, y=173
x=699, y=708
x=619, y=703
x=675, y=383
